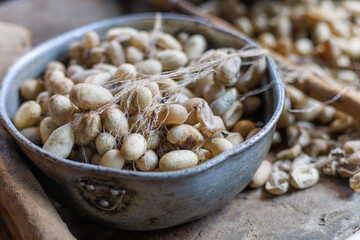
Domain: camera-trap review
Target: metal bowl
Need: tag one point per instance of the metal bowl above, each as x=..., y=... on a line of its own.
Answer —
x=143, y=200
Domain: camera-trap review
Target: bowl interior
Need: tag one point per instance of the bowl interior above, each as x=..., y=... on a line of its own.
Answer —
x=34, y=63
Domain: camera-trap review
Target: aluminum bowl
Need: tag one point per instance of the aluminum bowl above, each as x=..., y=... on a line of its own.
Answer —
x=142, y=200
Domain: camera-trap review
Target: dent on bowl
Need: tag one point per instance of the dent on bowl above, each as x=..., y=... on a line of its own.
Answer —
x=142, y=200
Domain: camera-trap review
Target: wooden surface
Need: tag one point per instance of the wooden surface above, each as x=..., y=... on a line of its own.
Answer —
x=329, y=210
x=15, y=40
x=24, y=203
x=4, y=232
x=48, y=18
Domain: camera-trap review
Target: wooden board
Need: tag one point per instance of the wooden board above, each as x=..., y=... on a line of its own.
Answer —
x=15, y=40
x=46, y=19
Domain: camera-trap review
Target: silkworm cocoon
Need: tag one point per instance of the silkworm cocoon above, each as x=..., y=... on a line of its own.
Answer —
x=98, y=79
x=278, y=183
x=149, y=67
x=340, y=125
x=31, y=88
x=181, y=99
x=61, y=141
x=171, y=59
x=133, y=147
x=184, y=136
x=228, y=73
x=165, y=147
x=289, y=153
x=120, y=33
x=91, y=39
x=155, y=91
x=252, y=77
x=148, y=162
x=204, y=155
x=312, y=109
x=213, y=92
x=267, y=39
x=141, y=99
x=167, y=41
x=178, y=159
x=47, y=126
x=327, y=114
x=261, y=175
x=221, y=105
x=303, y=46
x=115, y=122
x=220, y=145
x=57, y=83
x=125, y=72
x=87, y=128
x=212, y=54
x=190, y=106
x=210, y=125
x=251, y=104
x=141, y=40
x=252, y=133
x=199, y=86
x=105, y=142
x=354, y=182
x=112, y=159
x=133, y=55
x=321, y=32
x=153, y=140
x=27, y=115
x=82, y=76
x=245, y=25
x=352, y=146
x=168, y=86
x=304, y=176
x=116, y=53
x=195, y=46
x=235, y=138
x=172, y=114
x=233, y=114
x=33, y=134
x=54, y=65
x=87, y=96
x=213, y=128
x=43, y=99
x=74, y=69
x=60, y=109
x=182, y=37
x=96, y=159
x=243, y=127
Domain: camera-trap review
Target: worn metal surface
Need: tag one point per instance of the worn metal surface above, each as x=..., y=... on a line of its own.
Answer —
x=151, y=200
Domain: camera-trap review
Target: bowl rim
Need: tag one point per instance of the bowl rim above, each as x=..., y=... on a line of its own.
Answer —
x=40, y=49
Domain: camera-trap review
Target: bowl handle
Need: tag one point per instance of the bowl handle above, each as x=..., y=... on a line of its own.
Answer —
x=102, y=195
